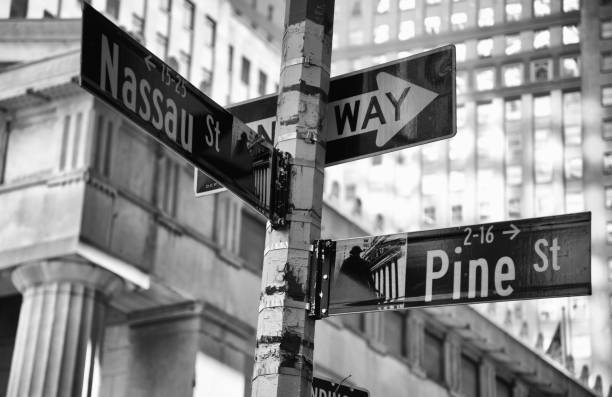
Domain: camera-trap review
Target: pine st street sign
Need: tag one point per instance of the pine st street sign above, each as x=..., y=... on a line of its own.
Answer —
x=523, y=259
x=388, y=107
x=116, y=68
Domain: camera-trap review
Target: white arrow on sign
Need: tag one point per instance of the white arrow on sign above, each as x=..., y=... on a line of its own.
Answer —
x=386, y=110
x=514, y=231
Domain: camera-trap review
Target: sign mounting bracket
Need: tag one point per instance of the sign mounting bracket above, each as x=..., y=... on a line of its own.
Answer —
x=320, y=278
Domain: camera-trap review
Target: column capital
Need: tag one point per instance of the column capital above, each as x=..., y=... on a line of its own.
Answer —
x=68, y=270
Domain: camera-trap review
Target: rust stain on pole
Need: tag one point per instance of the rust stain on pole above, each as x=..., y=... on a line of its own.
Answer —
x=285, y=333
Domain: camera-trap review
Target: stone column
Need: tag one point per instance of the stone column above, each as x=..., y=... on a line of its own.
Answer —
x=452, y=363
x=61, y=326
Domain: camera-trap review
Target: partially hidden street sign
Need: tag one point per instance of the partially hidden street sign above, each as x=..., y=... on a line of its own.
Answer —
x=327, y=388
x=522, y=259
x=384, y=108
x=116, y=68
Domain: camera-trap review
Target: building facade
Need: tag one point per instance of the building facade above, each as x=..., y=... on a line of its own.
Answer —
x=533, y=138
x=116, y=281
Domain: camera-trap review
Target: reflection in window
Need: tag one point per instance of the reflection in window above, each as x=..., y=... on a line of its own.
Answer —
x=383, y=6
x=486, y=17
x=571, y=5
x=406, y=4
x=541, y=7
x=574, y=202
x=406, y=30
x=541, y=70
x=607, y=163
x=381, y=33
x=459, y=20
x=571, y=34
x=484, y=48
x=513, y=44
x=570, y=66
x=573, y=168
x=460, y=52
x=514, y=9
x=608, y=196
x=512, y=75
x=485, y=79
x=432, y=24
x=541, y=39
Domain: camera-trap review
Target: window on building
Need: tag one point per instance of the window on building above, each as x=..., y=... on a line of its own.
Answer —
x=573, y=168
x=607, y=163
x=609, y=269
x=541, y=39
x=270, y=14
x=263, y=83
x=381, y=33
x=459, y=20
x=485, y=79
x=395, y=331
x=484, y=210
x=514, y=175
x=382, y=6
x=574, y=202
x=541, y=8
x=230, y=58
x=503, y=388
x=357, y=207
x=161, y=45
x=461, y=116
x=112, y=8
x=376, y=160
x=456, y=181
x=406, y=4
x=406, y=30
x=606, y=129
x=606, y=61
x=457, y=214
x=486, y=17
x=512, y=75
x=185, y=64
x=469, y=377
x=484, y=48
x=571, y=5
x=569, y=66
x=543, y=160
x=484, y=114
x=188, y=13
x=513, y=110
x=541, y=70
x=606, y=28
x=433, y=363
x=429, y=215
x=514, y=207
x=572, y=118
x=609, y=232
x=138, y=26
x=245, y=71
x=350, y=191
x=606, y=95
x=460, y=52
x=513, y=44
x=514, y=10
x=210, y=32
x=608, y=196
x=570, y=34
x=19, y=8
x=431, y=2
x=206, y=83
x=252, y=239
x=432, y=24
x=356, y=37
x=356, y=9
x=164, y=5
x=461, y=82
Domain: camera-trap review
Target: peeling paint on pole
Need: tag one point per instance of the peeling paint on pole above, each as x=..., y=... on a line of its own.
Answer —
x=285, y=333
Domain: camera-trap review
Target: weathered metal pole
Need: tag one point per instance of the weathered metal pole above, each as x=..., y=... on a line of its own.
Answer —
x=285, y=334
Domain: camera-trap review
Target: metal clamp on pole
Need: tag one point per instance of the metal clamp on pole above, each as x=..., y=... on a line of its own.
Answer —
x=321, y=259
x=279, y=203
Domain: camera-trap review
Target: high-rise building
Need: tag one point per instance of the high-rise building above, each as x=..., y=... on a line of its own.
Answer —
x=534, y=138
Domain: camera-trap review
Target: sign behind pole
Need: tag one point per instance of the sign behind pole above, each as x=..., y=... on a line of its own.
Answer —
x=523, y=259
x=263, y=111
x=118, y=69
x=327, y=388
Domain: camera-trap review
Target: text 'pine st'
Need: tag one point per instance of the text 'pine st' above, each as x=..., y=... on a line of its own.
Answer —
x=522, y=259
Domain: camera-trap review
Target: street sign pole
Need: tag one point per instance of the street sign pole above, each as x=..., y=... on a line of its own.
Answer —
x=285, y=332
